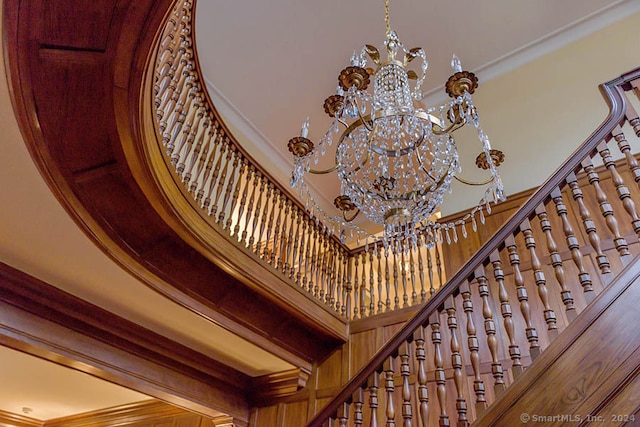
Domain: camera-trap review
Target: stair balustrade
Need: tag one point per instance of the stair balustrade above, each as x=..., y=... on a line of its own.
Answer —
x=498, y=313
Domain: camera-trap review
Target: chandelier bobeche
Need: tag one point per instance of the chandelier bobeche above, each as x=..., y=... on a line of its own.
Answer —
x=395, y=158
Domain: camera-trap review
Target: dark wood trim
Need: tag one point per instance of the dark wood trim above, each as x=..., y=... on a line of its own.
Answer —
x=274, y=387
x=42, y=320
x=120, y=415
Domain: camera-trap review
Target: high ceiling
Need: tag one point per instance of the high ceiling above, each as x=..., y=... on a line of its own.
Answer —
x=272, y=64
x=269, y=66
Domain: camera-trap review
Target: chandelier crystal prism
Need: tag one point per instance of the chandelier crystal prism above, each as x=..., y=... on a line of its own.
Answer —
x=395, y=158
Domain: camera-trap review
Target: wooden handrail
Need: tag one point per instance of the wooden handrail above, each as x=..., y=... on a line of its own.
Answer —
x=613, y=93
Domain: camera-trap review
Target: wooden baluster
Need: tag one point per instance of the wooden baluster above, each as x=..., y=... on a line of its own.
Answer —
x=472, y=341
x=264, y=216
x=412, y=272
x=221, y=183
x=213, y=179
x=403, y=272
x=523, y=298
x=247, y=219
x=201, y=155
x=396, y=298
x=311, y=257
x=490, y=330
x=372, y=290
x=287, y=238
x=405, y=372
x=301, y=277
x=541, y=282
x=574, y=246
x=505, y=309
x=358, y=403
x=343, y=415
x=623, y=192
x=432, y=289
x=257, y=214
x=379, y=257
x=296, y=242
x=423, y=392
x=243, y=202
x=236, y=195
x=590, y=228
x=456, y=362
x=347, y=287
x=631, y=115
x=389, y=389
x=423, y=292
x=276, y=231
x=322, y=271
x=374, y=385
x=356, y=289
x=339, y=269
x=625, y=149
x=607, y=212
x=386, y=278
x=205, y=137
x=556, y=262
x=227, y=192
x=363, y=287
x=441, y=382
x=438, y=267
x=269, y=245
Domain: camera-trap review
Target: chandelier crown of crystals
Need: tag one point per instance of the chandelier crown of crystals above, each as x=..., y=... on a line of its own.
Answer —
x=395, y=158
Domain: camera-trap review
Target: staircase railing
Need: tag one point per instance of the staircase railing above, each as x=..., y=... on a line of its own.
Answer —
x=595, y=248
x=240, y=198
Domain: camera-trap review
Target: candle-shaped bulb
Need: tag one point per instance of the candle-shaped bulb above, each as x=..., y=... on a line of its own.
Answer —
x=455, y=64
x=305, y=128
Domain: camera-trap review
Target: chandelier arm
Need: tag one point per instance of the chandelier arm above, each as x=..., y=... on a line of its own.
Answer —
x=344, y=215
x=426, y=171
x=468, y=182
x=322, y=172
x=343, y=123
x=365, y=123
x=451, y=128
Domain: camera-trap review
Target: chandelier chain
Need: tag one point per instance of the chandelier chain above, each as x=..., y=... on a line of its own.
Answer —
x=386, y=16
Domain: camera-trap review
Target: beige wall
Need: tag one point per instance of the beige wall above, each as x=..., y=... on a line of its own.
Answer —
x=553, y=103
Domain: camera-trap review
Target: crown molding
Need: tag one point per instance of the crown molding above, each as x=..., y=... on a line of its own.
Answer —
x=9, y=419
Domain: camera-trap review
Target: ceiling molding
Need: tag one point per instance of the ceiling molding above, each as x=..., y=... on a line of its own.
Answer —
x=8, y=419
x=44, y=321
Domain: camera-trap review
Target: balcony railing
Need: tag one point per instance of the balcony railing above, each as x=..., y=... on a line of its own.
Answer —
x=239, y=197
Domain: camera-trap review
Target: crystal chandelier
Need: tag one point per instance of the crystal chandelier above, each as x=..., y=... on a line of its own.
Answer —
x=394, y=157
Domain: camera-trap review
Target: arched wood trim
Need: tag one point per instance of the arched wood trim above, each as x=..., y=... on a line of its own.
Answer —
x=75, y=74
